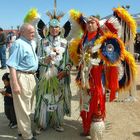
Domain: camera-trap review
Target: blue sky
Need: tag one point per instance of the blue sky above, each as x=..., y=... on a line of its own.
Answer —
x=12, y=12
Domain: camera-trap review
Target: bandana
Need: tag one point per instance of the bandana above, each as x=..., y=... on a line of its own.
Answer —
x=91, y=18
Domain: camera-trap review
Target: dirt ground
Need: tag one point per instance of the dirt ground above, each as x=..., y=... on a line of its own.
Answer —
x=122, y=119
x=123, y=116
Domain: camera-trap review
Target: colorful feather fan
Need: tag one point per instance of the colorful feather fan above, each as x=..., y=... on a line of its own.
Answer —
x=129, y=72
x=78, y=25
x=128, y=24
x=79, y=18
x=112, y=48
x=33, y=18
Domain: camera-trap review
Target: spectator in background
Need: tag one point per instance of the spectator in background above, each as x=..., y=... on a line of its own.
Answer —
x=137, y=47
x=8, y=101
x=11, y=37
x=2, y=49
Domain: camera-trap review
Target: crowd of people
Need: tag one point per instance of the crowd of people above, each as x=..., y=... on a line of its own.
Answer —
x=6, y=40
x=2, y=49
x=96, y=55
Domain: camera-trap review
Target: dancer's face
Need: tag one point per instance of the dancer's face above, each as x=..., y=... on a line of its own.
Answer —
x=54, y=31
x=92, y=26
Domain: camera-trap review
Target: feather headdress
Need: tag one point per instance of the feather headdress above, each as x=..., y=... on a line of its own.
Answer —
x=78, y=18
x=112, y=25
x=73, y=51
x=31, y=15
x=128, y=25
x=54, y=14
x=77, y=24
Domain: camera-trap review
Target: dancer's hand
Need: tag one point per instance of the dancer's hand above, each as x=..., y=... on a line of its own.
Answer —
x=47, y=60
x=62, y=74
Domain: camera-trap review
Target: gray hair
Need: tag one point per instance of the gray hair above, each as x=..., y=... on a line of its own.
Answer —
x=25, y=26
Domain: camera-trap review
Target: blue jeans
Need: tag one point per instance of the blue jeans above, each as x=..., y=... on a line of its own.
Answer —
x=3, y=55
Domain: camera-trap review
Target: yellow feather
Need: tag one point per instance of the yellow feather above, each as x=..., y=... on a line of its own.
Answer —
x=133, y=71
x=124, y=15
x=31, y=15
x=75, y=15
x=73, y=46
x=131, y=61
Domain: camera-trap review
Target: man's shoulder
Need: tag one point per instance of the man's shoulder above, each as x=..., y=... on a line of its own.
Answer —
x=20, y=42
x=17, y=44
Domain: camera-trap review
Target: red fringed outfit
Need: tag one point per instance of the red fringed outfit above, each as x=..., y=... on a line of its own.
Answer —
x=97, y=97
x=112, y=80
x=97, y=101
